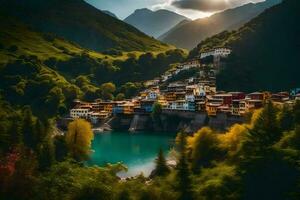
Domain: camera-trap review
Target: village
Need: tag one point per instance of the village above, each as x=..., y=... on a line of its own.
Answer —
x=197, y=94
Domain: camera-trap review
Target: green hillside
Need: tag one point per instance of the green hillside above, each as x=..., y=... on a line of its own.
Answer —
x=265, y=51
x=48, y=72
x=77, y=21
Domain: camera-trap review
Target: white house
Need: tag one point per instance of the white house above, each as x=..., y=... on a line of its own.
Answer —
x=80, y=113
x=152, y=95
x=222, y=52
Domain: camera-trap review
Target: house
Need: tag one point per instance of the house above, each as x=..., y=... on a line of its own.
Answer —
x=212, y=108
x=96, y=117
x=221, y=52
x=297, y=97
x=256, y=96
x=83, y=113
x=176, y=87
x=147, y=105
x=226, y=98
x=152, y=95
x=252, y=104
x=212, y=105
x=170, y=96
x=238, y=95
x=190, y=97
x=182, y=105
x=238, y=107
x=128, y=108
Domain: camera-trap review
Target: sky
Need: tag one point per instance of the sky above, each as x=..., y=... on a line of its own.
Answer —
x=190, y=8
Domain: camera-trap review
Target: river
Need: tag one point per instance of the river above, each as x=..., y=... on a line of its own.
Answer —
x=136, y=150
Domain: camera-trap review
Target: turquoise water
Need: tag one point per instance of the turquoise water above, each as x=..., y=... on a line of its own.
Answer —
x=136, y=150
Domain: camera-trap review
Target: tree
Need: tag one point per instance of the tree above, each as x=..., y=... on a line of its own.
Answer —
x=15, y=132
x=120, y=97
x=46, y=154
x=107, y=90
x=204, y=149
x=79, y=138
x=266, y=130
x=183, y=171
x=296, y=111
x=28, y=129
x=95, y=192
x=61, y=149
x=161, y=168
x=286, y=119
x=157, y=110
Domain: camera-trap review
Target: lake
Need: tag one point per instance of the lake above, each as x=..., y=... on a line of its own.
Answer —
x=136, y=150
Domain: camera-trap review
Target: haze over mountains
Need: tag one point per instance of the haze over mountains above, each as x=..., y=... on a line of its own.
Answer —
x=154, y=23
x=266, y=51
x=188, y=35
x=79, y=22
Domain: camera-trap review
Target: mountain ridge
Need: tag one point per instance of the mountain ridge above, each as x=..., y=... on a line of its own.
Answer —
x=154, y=23
x=190, y=34
x=267, y=45
x=67, y=17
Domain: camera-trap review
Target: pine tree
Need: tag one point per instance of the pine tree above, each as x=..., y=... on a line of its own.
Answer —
x=28, y=129
x=183, y=171
x=46, y=155
x=266, y=130
x=15, y=133
x=161, y=165
x=286, y=119
x=296, y=111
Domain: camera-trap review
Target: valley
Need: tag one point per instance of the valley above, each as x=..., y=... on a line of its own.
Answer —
x=94, y=107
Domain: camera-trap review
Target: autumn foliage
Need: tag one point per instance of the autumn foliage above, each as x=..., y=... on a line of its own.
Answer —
x=79, y=138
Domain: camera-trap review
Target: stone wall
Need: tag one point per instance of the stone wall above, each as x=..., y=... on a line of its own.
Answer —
x=189, y=122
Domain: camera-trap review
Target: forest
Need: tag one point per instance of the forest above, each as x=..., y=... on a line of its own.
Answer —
x=255, y=160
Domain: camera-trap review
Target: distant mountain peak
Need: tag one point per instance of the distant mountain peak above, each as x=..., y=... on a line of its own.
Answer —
x=143, y=10
x=154, y=23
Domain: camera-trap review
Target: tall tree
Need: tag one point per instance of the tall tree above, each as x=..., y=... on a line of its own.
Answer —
x=296, y=111
x=183, y=171
x=266, y=130
x=286, y=119
x=79, y=138
x=28, y=129
x=204, y=149
x=161, y=168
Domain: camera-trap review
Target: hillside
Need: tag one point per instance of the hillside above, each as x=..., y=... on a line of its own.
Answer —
x=190, y=34
x=94, y=29
x=48, y=72
x=154, y=23
x=265, y=51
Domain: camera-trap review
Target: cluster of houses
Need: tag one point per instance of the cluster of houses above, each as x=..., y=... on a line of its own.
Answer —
x=196, y=94
x=182, y=98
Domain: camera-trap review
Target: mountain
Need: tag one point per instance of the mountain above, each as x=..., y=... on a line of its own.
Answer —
x=154, y=23
x=266, y=51
x=79, y=22
x=110, y=13
x=48, y=72
x=190, y=34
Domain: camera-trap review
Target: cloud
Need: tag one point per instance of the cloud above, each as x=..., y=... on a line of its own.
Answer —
x=208, y=5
